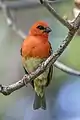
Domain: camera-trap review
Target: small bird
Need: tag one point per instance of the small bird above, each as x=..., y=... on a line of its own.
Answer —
x=34, y=50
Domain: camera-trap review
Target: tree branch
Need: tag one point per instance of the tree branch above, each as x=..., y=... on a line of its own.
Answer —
x=53, y=12
x=6, y=90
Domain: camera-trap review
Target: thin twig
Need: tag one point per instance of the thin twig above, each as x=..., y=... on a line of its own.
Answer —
x=55, y=14
x=57, y=64
x=6, y=90
x=19, y=4
x=66, y=69
x=10, y=20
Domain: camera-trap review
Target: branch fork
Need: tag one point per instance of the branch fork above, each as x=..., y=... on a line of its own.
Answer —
x=73, y=27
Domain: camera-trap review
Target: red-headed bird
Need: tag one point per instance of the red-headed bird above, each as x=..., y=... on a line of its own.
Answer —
x=34, y=50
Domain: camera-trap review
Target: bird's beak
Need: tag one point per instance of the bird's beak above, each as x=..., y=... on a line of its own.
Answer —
x=47, y=29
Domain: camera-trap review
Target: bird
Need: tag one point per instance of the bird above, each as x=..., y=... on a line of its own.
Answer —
x=35, y=49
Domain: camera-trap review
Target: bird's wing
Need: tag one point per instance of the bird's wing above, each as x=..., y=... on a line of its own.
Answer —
x=26, y=72
x=50, y=69
x=32, y=82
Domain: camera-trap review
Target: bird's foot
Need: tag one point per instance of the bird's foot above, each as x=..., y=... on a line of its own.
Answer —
x=24, y=80
x=25, y=83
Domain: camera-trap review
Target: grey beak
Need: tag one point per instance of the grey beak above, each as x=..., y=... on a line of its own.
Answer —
x=47, y=29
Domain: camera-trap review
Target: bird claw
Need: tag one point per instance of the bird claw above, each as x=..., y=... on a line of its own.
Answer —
x=25, y=82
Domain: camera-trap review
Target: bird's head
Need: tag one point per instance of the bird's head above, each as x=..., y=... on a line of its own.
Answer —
x=40, y=28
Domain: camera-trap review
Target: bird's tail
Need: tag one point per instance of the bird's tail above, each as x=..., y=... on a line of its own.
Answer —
x=39, y=102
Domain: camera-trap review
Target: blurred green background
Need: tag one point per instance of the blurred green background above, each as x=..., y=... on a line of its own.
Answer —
x=11, y=69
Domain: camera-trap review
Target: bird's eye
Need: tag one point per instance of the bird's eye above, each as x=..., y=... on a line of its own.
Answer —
x=40, y=27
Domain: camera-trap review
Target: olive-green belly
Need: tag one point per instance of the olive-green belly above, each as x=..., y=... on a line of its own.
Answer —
x=40, y=82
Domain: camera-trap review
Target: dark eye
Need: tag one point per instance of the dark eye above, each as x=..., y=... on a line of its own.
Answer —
x=40, y=27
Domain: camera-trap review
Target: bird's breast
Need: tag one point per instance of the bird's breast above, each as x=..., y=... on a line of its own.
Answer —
x=31, y=63
x=35, y=48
